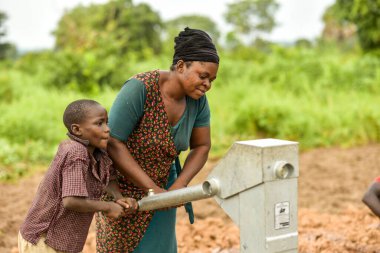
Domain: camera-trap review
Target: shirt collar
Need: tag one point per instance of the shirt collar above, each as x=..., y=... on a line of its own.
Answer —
x=74, y=138
x=101, y=152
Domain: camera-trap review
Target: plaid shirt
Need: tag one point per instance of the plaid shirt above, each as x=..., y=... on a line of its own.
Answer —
x=73, y=172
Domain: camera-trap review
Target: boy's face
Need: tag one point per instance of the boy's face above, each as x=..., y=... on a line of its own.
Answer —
x=94, y=128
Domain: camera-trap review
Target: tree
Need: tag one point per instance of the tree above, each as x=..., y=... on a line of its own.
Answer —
x=303, y=43
x=365, y=14
x=115, y=27
x=7, y=50
x=232, y=41
x=3, y=18
x=174, y=26
x=252, y=17
x=97, y=45
x=336, y=28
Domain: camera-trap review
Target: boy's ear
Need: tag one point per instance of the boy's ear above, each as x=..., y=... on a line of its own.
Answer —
x=76, y=130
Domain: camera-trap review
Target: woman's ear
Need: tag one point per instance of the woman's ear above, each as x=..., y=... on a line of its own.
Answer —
x=75, y=129
x=180, y=66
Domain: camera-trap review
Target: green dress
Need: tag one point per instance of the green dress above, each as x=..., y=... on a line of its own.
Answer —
x=125, y=116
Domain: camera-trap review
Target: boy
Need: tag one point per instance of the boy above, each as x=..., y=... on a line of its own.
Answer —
x=69, y=195
x=372, y=197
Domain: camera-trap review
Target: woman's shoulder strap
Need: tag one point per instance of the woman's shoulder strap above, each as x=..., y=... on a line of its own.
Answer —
x=149, y=78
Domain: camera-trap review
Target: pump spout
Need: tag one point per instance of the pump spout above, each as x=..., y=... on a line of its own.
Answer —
x=207, y=189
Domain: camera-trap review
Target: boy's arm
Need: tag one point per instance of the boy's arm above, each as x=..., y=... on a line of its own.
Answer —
x=83, y=205
x=372, y=198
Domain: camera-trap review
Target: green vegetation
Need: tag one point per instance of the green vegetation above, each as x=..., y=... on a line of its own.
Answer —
x=365, y=15
x=348, y=20
x=319, y=93
x=316, y=98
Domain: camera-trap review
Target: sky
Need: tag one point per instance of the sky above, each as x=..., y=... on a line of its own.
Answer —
x=31, y=22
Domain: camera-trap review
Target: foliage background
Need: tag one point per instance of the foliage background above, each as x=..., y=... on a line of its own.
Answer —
x=318, y=93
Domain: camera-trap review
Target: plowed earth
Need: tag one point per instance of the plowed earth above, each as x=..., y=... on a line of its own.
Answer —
x=331, y=216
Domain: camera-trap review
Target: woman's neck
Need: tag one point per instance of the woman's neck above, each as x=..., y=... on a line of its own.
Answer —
x=170, y=87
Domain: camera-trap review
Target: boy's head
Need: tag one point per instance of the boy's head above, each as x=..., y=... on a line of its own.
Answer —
x=87, y=120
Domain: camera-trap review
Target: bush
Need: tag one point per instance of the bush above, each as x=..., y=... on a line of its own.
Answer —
x=297, y=94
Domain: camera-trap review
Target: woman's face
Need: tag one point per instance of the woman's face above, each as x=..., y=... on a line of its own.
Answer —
x=196, y=78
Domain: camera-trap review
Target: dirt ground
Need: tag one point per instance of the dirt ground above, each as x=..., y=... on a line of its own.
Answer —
x=331, y=216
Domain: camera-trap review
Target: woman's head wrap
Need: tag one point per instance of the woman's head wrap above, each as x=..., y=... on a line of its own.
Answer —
x=194, y=45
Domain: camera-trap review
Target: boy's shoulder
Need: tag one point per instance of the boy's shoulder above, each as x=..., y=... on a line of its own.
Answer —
x=72, y=149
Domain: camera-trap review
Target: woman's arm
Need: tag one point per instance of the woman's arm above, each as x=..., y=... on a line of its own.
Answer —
x=129, y=104
x=200, y=144
x=372, y=198
x=128, y=167
x=113, y=190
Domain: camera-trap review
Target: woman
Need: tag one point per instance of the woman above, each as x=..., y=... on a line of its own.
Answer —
x=155, y=116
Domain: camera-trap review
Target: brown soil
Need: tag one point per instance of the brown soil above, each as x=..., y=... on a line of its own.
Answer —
x=331, y=215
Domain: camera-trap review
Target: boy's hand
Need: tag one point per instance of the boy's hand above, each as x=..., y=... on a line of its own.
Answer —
x=115, y=211
x=129, y=204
